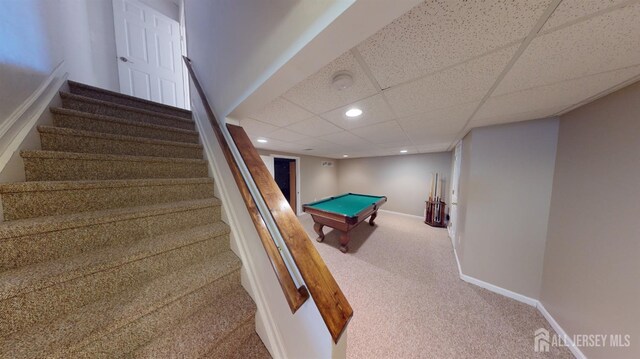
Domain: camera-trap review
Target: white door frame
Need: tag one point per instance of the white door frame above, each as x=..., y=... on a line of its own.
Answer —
x=298, y=188
x=183, y=50
x=455, y=189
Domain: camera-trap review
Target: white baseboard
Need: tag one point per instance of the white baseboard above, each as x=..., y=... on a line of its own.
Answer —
x=505, y=292
x=24, y=118
x=494, y=288
x=523, y=299
x=401, y=214
x=554, y=324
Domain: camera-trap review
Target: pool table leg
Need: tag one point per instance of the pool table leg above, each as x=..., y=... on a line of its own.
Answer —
x=344, y=240
x=373, y=218
x=318, y=228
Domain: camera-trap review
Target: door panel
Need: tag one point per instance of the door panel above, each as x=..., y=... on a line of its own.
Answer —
x=149, y=57
x=140, y=84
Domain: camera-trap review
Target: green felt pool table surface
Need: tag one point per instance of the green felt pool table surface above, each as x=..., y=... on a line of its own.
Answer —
x=349, y=204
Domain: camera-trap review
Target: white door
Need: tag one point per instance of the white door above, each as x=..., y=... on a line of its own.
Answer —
x=149, y=53
x=455, y=182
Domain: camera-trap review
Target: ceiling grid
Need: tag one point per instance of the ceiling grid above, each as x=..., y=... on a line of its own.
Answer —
x=443, y=68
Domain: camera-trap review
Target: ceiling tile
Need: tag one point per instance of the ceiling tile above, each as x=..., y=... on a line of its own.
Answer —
x=436, y=147
x=317, y=147
x=281, y=112
x=606, y=42
x=545, y=101
x=425, y=128
x=374, y=110
x=347, y=139
x=257, y=128
x=318, y=95
x=395, y=151
x=438, y=34
x=286, y=135
x=400, y=144
x=461, y=84
x=570, y=10
x=314, y=126
x=381, y=133
x=272, y=144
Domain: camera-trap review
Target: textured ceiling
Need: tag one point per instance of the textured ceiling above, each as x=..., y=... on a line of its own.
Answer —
x=445, y=67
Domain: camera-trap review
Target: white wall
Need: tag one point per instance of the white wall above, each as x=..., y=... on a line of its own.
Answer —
x=504, y=201
x=404, y=179
x=41, y=40
x=237, y=45
x=592, y=259
x=29, y=49
x=37, y=35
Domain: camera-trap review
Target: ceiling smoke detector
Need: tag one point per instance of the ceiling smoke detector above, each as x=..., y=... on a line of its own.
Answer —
x=342, y=80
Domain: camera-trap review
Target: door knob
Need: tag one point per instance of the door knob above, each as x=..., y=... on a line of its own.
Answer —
x=124, y=59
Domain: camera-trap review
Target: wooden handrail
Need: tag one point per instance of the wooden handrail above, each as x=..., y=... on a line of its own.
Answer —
x=331, y=302
x=295, y=296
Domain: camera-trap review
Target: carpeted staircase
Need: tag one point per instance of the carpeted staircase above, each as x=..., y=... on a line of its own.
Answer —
x=114, y=246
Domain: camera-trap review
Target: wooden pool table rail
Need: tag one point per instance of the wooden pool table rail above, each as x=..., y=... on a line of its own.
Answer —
x=341, y=222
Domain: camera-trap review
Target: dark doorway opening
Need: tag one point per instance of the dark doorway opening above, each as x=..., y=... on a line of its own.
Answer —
x=284, y=173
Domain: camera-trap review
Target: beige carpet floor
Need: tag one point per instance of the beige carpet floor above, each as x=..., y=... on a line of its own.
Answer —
x=402, y=280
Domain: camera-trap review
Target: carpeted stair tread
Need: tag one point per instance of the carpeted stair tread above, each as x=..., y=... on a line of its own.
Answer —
x=50, y=198
x=110, y=96
x=56, y=223
x=200, y=333
x=251, y=348
x=86, y=324
x=48, y=303
x=108, y=124
x=30, y=278
x=88, y=104
x=129, y=337
x=80, y=141
x=37, y=186
x=242, y=343
x=115, y=245
x=63, y=166
x=105, y=157
x=26, y=246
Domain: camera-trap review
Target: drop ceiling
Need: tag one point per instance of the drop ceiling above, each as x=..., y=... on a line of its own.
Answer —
x=445, y=67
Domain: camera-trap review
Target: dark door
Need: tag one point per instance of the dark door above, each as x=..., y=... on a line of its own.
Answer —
x=284, y=173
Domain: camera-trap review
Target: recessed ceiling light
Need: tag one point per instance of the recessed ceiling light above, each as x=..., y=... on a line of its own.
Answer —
x=262, y=140
x=345, y=155
x=353, y=112
x=403, y=151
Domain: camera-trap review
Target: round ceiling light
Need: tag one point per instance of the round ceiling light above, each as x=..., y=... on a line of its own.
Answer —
x=403, y=151
x=353, y=112
x=262, y=140
x=345, y=156
x=342, y=80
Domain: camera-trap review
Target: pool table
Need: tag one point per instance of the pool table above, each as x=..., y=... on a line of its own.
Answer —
x=343, y=213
